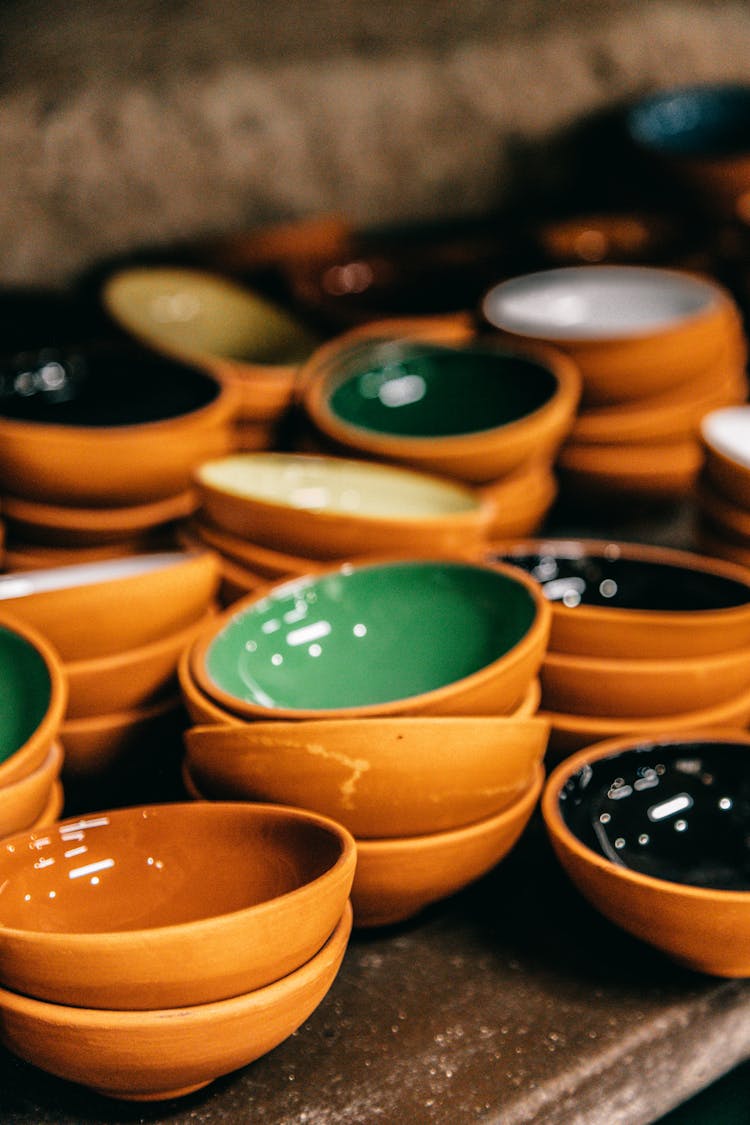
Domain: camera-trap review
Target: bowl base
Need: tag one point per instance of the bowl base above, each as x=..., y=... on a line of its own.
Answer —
x=151, y=1095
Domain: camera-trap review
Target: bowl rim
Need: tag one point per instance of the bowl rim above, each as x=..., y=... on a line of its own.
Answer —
x=122, y=518
x=51, y=763
x=539, y=627
x=344, y=862
x=560, y=833
x=123, y=658
x=648, y=666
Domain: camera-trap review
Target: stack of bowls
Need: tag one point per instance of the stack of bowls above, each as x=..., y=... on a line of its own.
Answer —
x=657, y=349
x=245, y=341
x=490, y=416
x=654, y=835
x=119, y=626
x=642, y=639
x=274, y=515
x=326, y=705
x=33, y=692
x=724, y=489
x=147, y=951
x=97, y=449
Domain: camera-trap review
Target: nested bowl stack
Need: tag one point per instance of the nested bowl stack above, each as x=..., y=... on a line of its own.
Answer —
x=159, y=947
x=724, y=489
x=657, y=350
x=643, y=639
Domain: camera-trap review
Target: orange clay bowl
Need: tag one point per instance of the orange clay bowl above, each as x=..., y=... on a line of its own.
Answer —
x=726, y=439
x=132, y=678
x=58, y=525
x=572, y=732
x=266, y=562
x=521, y=500
x=331, y=645
x=377, y=777
x=22, y=802
x=659, y=470
x=693, y=907
x=633, y=331
x=53, y=807
x=97, y=609
x=398, y=877
x=729, y=518
x=166, y=1053
x=33, y=696
x=475, y=412
x=170, y=905
x=333, y=508
x=113, y=745
x=35, y=556
x=657, y=603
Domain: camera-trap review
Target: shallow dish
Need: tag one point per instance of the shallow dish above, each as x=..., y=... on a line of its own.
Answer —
x=59, y=525
x=159, y=1054
x=331, y=645
x=653, y=834
x=24, y=801
x=170, y=905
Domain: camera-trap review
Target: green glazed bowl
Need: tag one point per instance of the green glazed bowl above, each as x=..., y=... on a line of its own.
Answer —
x=391, y=637
x=33, y=696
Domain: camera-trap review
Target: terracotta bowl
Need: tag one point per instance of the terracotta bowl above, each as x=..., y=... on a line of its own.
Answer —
x=726, y=439
x=97, y=609
x=728, y=518
x=170, y=905
x=264, y=561
x=50, y=814
x=105, y=747
x=56, y=525
x=398, y=877
x=24, y=801
x=475, y=412
x=36, y=556
x=33, y=695
x=332, y=645
x=632, y=330
x=164, y=1053
x=329, y=507
x=377, y=777
x=128, y=431
x=658, y=470
x=653, y=833
x=521, y=500
x=631, y=600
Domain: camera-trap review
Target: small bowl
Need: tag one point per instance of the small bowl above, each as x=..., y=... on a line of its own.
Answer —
x=118, y=428
x=474, y=412
x=379, y=777
x=50, y=814
x=35, y=556
x=167, y=1053
x=33, y=695
x=726, y=439
x=266, y=562
x=396, y=878
x=631, y=600
x=332, y=645
x=24, y=801
x=58, y=525
x=633, y=331
x=106, y=747
x=521, y=500
x=653, y=834
x=98, y=609
x=332, y=508
x=170, y=905
x=654, y=471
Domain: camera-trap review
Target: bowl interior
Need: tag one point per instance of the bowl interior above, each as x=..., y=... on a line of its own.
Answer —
x=140, y=868
x=678, y=811
x=100, y=387
x=701, y=121
x=425, y=391
x=25, y=689
x=338, y=640
x=328, y=484
x=574, y=579
x=728, y=432
x=596, y=302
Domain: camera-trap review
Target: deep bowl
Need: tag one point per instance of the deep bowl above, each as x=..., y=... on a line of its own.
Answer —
x=331, y=645
x=654, y=835
x=169, y=905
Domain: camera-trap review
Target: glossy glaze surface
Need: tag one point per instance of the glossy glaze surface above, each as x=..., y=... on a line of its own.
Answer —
x=696, y=121
x=677, y=811
x=25, y=689
x=338, y=641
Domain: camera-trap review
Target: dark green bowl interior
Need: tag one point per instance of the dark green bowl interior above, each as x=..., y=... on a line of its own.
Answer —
x=440, y=392
x=24, y=691
x=369, y=635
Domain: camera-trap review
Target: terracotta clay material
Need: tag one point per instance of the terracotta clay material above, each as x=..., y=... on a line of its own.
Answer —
x=193, y=903
x=50, y=814
x=264, y=561
x=521, y=500
x=660, y=470
x=24, y=801
x=726, y=440
x=727, y=517
x=103, y=746
x=56, y=525
x=36, y=556
x=159, y=1054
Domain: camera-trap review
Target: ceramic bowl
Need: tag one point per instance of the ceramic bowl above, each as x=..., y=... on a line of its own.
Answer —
x=701, y=132
x=165, y=1053
x=521, y=500
x=33, y=695
x=474, y=412
x=653, y=834
x=631, y=330
x=56, y=525
x=329, y=507
x=105, y=748
x=332, y=645
x=266, y=562
x=726, y=439
x=50, y=814
x=396, y=878
x=630, y=600
x=24, y=801
x=729, y=519
x=658, y=471
x=379, y=777
x=98, y=609
x=170, y=905
x=35, y=556
x=121, y=428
